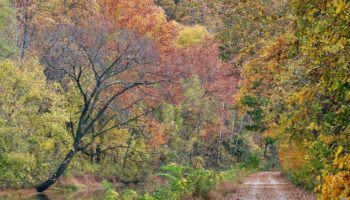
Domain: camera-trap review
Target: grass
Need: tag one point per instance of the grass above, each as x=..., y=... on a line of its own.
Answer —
x=231, y=179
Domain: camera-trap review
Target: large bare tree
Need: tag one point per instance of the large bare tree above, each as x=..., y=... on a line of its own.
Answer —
x=104, y=64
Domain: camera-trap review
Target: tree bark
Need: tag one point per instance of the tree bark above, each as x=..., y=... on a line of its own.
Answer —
x=59, y=172
x=127, y=153
x=25, y=39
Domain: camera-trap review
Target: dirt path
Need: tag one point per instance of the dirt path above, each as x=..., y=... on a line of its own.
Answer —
x=269, y=186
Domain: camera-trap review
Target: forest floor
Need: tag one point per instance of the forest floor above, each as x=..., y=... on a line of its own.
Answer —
x=269, y=186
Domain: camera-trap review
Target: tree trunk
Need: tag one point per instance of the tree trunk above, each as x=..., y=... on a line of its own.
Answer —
x=91, y=155
x=127, y=153
x=59, y=172
x=98, y=154
x=25, y=40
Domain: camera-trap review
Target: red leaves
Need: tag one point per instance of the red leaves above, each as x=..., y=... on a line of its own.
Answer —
x=217, y=77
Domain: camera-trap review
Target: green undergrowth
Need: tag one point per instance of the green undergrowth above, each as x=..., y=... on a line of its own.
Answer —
x=186, y=182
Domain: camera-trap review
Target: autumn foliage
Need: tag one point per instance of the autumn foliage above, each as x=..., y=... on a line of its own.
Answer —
x=296, y=90
x=122, y=88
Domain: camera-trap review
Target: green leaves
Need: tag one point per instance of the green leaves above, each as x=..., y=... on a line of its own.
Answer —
x=185, y=180
x=32, y=123
x=110, y=193
x=250, y=101
x=7, y=30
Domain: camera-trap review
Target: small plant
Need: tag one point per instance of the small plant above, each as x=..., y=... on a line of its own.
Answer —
x=147, y=196
x=202, y=181
x=184, y=180
x=130, y=195
x=110, y=193
x=70, y=187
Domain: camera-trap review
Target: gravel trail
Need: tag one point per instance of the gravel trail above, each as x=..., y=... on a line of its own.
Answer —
x=269, y=186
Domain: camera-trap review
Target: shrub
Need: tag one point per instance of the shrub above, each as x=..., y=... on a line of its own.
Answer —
x=130, y=195
x=184, y=180
x=336, y=184
x=177, y=183
x=252, y=161
x=147, y=197
x=110, y=193
x=202, y=181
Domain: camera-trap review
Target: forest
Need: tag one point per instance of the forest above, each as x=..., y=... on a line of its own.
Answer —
x=173, y=99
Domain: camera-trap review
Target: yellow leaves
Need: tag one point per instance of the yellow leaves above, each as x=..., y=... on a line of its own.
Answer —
x=318, y=188
x=118, y=136
x=313, y=126
x=33, y=109
x=48, y=145
x=333, y=44
x=341, y=165
x=327, y=139
x=340, y=5
x=339, y=150
x=337, y=186
x=342, y=109
x=347, y=95
x=190, y=36
x=314, y=76
x=341, y=162
x=303, y=95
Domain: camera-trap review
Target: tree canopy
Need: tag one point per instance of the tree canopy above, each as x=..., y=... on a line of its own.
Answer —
x=122, y=89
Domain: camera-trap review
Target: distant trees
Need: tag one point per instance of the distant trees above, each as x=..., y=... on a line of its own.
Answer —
x=246, y=24
x=185, y=12
x=193, y=113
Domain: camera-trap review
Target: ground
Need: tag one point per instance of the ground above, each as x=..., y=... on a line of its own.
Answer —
x=269, y=186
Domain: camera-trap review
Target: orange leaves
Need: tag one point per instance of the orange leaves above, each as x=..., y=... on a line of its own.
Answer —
x=337, y=185
x=292, y=154
x=143, y=17
x=157, y=130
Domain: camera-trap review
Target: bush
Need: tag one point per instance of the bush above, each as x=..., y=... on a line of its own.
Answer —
x=110, y=193
x=202, y=181
x=177, y=183
x=147, y=197
x=184, y=180
x=130, y=195
x=252, y=161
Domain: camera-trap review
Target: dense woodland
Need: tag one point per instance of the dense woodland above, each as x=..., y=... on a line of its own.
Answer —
x=131, y=88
